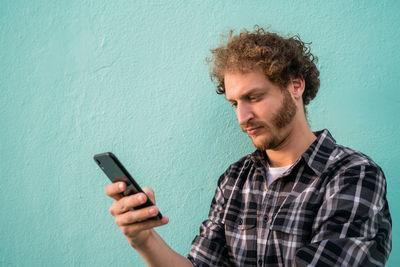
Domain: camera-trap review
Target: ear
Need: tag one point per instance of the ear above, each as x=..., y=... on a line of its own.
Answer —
x=297, y=87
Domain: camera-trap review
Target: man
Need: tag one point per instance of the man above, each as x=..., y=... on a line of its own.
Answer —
x=300, y=199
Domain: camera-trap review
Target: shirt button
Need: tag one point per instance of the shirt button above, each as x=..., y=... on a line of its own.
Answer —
x=259, y=262
x=265, y=219
x=240, y=222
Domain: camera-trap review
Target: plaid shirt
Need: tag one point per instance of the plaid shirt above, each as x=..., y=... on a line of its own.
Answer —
x=328, y=209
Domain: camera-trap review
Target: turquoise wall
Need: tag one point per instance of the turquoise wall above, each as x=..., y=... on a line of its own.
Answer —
x=84, y=77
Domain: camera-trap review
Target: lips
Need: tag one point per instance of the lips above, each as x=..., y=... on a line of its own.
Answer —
x=253, y=130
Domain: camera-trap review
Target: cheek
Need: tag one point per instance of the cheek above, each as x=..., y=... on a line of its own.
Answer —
x=264, y=111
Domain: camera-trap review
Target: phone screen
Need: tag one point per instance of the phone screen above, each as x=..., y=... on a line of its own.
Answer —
x=116, y=172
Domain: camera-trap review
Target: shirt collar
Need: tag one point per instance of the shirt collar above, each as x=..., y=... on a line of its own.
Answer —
x=316, y=156
x=319, y=152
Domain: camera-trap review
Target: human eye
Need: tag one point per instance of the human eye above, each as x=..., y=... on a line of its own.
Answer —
x=232, y=102
x=254, y=98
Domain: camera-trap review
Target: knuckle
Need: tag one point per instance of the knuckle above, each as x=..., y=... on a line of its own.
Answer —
x=111, y=210
x=130, y=217
x=124, y=206
x=125, y=203
x=134, y=228
x=125, y=230
x=117, y=220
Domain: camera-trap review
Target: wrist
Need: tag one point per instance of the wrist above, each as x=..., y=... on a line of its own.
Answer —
x=144, y=243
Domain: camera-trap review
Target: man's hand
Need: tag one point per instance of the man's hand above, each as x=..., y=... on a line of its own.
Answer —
x=134, y=224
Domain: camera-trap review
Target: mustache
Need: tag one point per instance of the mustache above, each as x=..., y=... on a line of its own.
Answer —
x=244, y=127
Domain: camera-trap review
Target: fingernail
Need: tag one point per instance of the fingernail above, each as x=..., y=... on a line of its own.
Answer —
x=153, y=211
x=165, y=219
x=140, y=198
x=121, y=186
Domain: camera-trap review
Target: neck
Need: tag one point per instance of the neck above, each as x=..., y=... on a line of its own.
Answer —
x=296, y=142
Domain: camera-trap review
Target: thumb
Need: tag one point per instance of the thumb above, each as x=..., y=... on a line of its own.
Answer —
x=150, y=193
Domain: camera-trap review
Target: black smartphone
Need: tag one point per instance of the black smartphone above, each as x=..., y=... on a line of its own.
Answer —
x=114, y=169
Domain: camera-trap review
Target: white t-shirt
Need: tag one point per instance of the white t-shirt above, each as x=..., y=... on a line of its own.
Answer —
x=274, y=173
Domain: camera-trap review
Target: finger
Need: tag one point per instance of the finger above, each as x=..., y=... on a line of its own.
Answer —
x=114, y=190
x=127, y=203
x=150, y=193
x=131, y=230
x=136, y=216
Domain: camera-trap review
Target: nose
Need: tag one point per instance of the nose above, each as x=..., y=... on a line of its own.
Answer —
x=244, y=113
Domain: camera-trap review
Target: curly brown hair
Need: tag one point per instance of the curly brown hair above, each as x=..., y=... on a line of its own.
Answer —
x=280, y=59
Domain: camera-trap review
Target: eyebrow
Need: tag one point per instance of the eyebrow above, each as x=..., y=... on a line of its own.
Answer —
x=246, y=94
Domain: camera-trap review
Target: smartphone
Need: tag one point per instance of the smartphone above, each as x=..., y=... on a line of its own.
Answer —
x=116, y=172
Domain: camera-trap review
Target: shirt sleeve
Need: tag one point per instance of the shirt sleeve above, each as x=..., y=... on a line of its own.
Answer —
x=353, y=226
x=209, y=247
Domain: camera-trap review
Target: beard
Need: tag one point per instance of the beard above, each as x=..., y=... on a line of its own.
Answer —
x=271, y=137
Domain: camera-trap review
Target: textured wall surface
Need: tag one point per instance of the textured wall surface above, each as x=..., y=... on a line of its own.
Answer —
x=84, y=77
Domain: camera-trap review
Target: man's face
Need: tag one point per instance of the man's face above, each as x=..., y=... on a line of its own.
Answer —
x=264, y=111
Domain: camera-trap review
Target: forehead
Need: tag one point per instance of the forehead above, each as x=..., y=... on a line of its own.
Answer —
x=238, y=84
